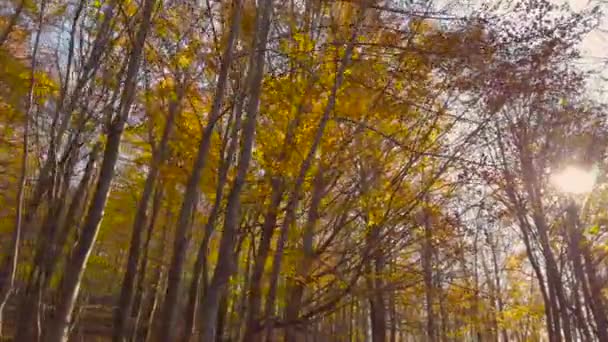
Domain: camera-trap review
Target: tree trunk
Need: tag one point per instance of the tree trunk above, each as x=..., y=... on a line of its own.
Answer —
x=9, y=266
x=551, y=319
x=58, y=327
x=556, y=289
x=200, y=266
x=168, y=326
x=499, y=297
x=593, y=292
x=150, y=309
x=143, y=267
x=292, y=204
x=125, y=302
x=225, y=265
x=254, y=293
x=47, y=171
x=222, y=317
x=296, y=289
x=49, y=252
x=427, y=266
x=377, y=305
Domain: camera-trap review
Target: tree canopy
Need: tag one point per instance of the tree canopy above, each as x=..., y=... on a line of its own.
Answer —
x=301, y=170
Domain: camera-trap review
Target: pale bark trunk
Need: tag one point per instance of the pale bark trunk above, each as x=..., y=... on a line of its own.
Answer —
x=140, y=289
x=152, y=308
x=222, y=317
x=58, y=327
x=597, y=300
x=225, y=266
x=200, y=266
x=268, y=227
x=158, y=285
x=377, y=305
x=499, y=296
x=125, y=302
x=170, y=307
x=49, y=252
x=47, y=171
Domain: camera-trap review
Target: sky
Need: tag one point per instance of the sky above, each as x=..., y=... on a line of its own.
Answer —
x=595, y=46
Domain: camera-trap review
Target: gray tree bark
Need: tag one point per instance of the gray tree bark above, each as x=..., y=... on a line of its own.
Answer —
x=58, y=327
x=225, y=266
x=125, y=301
x=191, y=196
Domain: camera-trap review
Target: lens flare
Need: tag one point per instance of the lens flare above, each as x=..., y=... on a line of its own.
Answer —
x=574, y=180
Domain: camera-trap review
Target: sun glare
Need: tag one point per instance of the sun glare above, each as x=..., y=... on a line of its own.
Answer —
x=574, y=180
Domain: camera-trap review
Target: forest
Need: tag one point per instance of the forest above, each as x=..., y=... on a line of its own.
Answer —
x=302, y=171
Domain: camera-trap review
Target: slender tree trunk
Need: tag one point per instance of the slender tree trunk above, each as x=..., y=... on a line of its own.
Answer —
x=593, y=292
x=268, y=227
x=125, y=302
x=296, y=289
x=152, y=308
x=158, y=285
x=58, y=327
x=49, y=252
x=47, y=171
x=244, y=295
x=255, y=285
x=393, y=316
x=9, y=265
x=556, y=289
x=222, y=317
x=191, y=196
x=200, y=266
x=292, y=204
x=143, y=267
x=427, y=266
x=580, y=281
x=597, y=300
x=499, y=297
x=552, y=320
x=377, y=305
x=225, y=266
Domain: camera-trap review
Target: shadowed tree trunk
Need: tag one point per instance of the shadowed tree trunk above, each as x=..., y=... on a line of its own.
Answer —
x=296, y=290
x=427, y=267
x=170, y=307
x=140, y=287
x=225, y=266
x=200, y=266
x=58, y=327
x=125, y=302
x=49, y=253
x=8, y=269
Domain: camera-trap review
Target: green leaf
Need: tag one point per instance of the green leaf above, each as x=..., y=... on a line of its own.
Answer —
x=593, y=230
